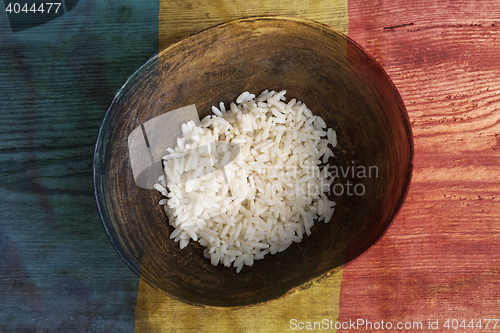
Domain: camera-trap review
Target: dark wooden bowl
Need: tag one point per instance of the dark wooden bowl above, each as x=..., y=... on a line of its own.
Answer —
x=316, y=65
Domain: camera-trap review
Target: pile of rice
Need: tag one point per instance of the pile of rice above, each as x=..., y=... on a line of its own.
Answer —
x=264, y=199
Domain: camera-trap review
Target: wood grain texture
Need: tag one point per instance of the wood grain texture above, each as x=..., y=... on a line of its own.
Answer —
x=179, y=19
x=58, y=271
x=156, y=312
x=440, y=259
x=315, y=65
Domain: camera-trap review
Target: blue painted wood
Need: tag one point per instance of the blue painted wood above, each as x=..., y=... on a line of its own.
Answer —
x=58, y=270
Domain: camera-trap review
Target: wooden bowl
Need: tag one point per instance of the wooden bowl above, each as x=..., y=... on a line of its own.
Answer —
x=316, y=65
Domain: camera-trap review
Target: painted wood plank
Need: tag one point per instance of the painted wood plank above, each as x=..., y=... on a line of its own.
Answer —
x=440, y=258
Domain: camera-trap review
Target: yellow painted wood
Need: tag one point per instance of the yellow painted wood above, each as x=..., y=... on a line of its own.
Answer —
x=179, y=18
x=157, y=312
x=319, y=302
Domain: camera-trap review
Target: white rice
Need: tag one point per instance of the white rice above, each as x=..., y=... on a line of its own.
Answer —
x=264, y=199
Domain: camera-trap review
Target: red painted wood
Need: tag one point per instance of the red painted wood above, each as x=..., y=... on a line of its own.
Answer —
x=441, y=257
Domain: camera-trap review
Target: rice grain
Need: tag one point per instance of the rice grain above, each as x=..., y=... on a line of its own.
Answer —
x=264, y=199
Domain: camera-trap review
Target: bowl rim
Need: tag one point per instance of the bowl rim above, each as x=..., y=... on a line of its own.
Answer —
x=310, y=23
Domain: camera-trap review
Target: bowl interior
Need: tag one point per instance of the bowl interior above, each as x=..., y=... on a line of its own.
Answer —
x=316, y=65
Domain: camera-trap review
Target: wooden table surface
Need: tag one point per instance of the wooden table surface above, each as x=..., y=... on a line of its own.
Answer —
x=438, y=264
